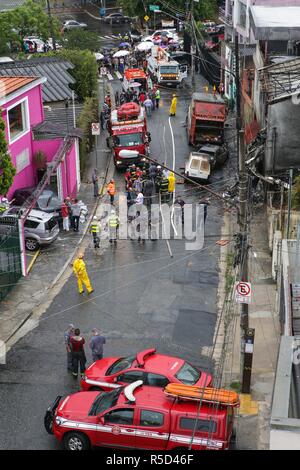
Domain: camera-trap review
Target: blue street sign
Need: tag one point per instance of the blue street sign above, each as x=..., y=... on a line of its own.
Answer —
x=102, y=12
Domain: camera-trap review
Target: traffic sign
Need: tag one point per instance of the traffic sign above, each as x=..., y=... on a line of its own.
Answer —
x=243, y=292
x=95, y=128
x=146, y=18
x=102, y=12
x=154, y=7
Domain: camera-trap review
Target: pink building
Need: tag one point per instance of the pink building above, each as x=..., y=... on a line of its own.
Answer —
x=22, y=110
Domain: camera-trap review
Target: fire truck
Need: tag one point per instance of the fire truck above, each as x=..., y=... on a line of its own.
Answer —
x=142, y=417
x=163, y=70
x=128, y=131
x=135, y=79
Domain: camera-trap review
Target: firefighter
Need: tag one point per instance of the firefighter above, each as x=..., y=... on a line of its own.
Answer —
x=173, y=106
x=95, y=230
x=172, y=182
x=79, y=270
x=111, y=190
x=163, y=189
x=113, y=225
x=133, y=173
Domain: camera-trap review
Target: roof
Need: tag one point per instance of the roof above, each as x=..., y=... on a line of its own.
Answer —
x=280, y=78
x=54, y=69
x=8, y=85
x=269, y=23
x=208, y=98
x=58, y=122
x=10, y=4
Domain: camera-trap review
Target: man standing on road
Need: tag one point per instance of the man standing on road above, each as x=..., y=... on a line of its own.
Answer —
x=80, y=272
x=95, y=230
x=76, y=210
x=157, y=97
x=179, y=210
x=111, y=190
x=113, y=224
x=148, y=106
x=96, y=344
x=65, y=216
x=173, y=106
x=68, y=335
x=95, y=182
x=163, y=189
x=78, y=354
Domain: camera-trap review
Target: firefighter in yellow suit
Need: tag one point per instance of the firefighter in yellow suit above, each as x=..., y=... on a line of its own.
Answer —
x=173, y=106
x=79, y=270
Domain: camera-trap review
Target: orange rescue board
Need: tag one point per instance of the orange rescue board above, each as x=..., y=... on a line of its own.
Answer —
x=207, y=395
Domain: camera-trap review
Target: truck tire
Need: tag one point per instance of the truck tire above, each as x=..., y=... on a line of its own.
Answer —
x=76, y=441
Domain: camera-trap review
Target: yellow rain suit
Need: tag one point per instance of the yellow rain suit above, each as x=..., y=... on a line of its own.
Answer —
x=173, y=106
x=172, y=182
x=79, y=270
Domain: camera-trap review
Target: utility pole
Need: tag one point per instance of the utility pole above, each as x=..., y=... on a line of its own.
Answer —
x=193, y=44
x=246, y=334
x=289, y=204
x=51, y=25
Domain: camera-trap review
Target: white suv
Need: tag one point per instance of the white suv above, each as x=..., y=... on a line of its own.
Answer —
x=40, y=228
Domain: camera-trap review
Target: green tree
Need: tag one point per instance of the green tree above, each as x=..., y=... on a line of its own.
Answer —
x=85, y=72
x=296, y=193
x=26, y=20
x=7, y=170
x=83, y=40
x=88, y=115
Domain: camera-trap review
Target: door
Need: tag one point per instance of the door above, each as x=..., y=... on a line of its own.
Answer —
x=116, y=428
x=152, y=430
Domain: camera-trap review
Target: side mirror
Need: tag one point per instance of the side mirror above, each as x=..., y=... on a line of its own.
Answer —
x=101, y=420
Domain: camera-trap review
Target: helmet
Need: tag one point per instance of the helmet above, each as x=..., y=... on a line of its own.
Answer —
x=4, y=199
x=95, y=217
x=112, y=211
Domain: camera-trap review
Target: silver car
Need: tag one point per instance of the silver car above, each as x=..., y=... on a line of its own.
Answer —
x=40, y=228
x=72, y=24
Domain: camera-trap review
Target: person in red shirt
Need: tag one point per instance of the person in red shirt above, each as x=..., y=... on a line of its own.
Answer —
x=127, y=177
x=139, y=173
x=78, y=354
x=65, y=216
x=142, y=97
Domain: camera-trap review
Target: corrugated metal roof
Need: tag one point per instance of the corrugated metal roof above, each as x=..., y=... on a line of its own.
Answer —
x=58, y=122
x=10, y=84
x=54, y=69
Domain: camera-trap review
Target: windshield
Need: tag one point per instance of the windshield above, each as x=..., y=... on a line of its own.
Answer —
x=104, y=401
x=188, y=374
x=169, y=69
x=121, y=364
x=129, y=140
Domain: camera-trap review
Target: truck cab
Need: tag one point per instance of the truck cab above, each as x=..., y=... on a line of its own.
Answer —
x=133, y=78
x=142, y=417
x=163, y=70
x=128, y=131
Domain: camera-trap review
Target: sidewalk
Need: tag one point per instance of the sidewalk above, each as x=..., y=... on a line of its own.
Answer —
x=255, y=409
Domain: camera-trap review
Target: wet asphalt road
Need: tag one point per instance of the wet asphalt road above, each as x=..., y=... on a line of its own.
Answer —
x=143, y=298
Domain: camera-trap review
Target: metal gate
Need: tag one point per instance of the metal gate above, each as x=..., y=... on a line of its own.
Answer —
x=10, y=260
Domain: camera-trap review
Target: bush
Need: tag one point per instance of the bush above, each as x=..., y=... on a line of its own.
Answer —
x=88, y=115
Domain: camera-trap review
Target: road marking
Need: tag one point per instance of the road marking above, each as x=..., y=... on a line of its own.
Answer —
x=110, y=77
x=119, y=75
x=174, y=161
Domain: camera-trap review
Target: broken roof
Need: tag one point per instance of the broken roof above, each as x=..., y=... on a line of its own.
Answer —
x=54, y=69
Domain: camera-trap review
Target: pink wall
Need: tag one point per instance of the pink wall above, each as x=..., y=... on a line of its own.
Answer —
x=71, y=172
x=49, y=147
x=25, y=177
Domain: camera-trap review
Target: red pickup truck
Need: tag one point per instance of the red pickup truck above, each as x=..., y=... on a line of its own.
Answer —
x=142, y=417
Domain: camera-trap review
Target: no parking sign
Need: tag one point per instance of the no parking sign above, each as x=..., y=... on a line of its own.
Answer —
x=243, y=292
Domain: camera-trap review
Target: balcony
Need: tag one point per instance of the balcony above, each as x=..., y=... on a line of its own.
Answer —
x=224, y=17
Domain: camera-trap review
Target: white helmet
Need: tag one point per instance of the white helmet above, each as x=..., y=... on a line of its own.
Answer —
x=112, y=211
x=4, y=199
x=95, y=217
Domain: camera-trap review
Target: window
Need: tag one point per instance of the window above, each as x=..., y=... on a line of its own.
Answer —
x=132, y=376
x=128, y=140
x=188, y=374
x=156, y=380
x=195, y=164
x=120, y=364
x=50, y=224
x=151, y=418
x=171, y=69
x=124, y=416
x=31, y=224
x=203, y=425
x=17, y=119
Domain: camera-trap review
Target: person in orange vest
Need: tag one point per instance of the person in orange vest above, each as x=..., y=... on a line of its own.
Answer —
x=111, y=190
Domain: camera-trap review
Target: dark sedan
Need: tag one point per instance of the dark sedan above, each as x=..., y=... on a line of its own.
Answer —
x=117, y=18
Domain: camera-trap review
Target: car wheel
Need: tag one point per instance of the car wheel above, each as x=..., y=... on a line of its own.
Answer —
x=76, y=441
x=95, y=389
x=31, y=244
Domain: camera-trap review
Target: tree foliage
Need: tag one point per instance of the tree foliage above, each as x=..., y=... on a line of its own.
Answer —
x=29, y=19
x=88, y=115
x=81, y=39
x=85, y=72
x=7, y=170
x=204, y=9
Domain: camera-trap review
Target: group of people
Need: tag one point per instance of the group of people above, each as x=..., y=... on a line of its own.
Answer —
x=71, y=210
x=75, y=343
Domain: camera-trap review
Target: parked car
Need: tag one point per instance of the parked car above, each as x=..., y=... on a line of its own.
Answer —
x=35, y=44
x=135, y=35
x=40, y=228
x=47, y=202
x=72, y=24
x=117, y=18
x=156, y=370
